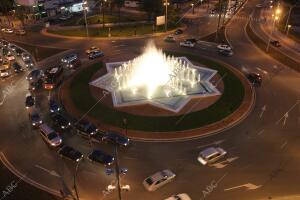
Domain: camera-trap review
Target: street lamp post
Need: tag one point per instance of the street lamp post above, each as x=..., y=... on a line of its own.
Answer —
x=85, y=8
x=118, y=172
x=288, y=29
x=74, y=180
x=273, y=26
x=193, y=7
x=166, y=14
x=288, y=18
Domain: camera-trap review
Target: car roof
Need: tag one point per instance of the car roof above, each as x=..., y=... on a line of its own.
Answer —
x=46, y=129
x=209, y=151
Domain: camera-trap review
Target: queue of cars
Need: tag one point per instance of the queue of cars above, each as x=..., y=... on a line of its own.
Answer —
x=16, y=31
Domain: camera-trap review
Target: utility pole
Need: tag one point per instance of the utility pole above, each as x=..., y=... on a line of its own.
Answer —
x=118, y=172
x=166, y=15
x=74, y=180
x=85, y=8
x=288, y=18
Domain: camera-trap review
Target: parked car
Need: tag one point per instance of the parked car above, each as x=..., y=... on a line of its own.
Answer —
x=224, y=47
x=95, y=54
x=225, y=52
x=101, y=157
x=20, y=32
x=60, y=121
x=5, y=64
x=255, y=79
x=4, y=73
x=92, y=49
x=19, y=51
x=53, y=106
x=25, y=56
x=116, y=138
x=35, y=119
x=158, y=179
x=85, y=128
x=192, y=40
x=29, y=101
x=70, y=153
x=12, y=47
x=170, y=39
x=35, y=85
x=178, y=31
x=17, y=68
x=187, y=44
x=4, y=43
x=35, y=75
x=50, y=136
x=275, y=43
x=28, y=63
x=7, y=30
x=10, y=57
x=211, y=155
x=182, y=196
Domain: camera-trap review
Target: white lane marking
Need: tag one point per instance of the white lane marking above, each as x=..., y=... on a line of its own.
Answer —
x=51, y=172
x=247, y=186
x=283, y=145
x=263, y=71
x=129, y=158
x=263, y=109
x=211, y=144
x=224, y=163
x=261, y=132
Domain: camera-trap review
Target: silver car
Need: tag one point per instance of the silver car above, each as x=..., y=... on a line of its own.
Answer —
x=211, y=155
x=158, y=179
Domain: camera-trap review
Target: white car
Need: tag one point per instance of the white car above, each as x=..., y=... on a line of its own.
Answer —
x=211, y=155
x=7, y=30
x=50, y=136
x=224, y=47
x=92, y=49
x=158, y=179
x=182, y=196
x=10, y=57
x=187, y=44
x=4, y=73
x=25, y=56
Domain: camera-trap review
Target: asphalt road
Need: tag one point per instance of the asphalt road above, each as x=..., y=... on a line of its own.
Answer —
x=263, y=150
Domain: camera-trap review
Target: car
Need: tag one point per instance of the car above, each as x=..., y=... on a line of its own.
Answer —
x=97, y=137
x=192, y=40
x=10, y=57
x=35, y=85
x=92, y=49
x=115, y=138
x=96, y=54
x=101, y=157
x=187, y=44
x=5, y=64
x=254, y=78
x=85, y=128
x=35, y=119
x=7, y=30
x=28, y=63
x=224, y=47
x=29, y=101
x=53, y=106
x=17, y=68
x=35, y=75
x=225, y=52
x=19, y=51
x=70, y=153
x=12, y=47
x=178, y=31
x=158, y=179
x=182, y=196
x=20, y=32
x=4, y=73
x=212, y=13
x=170, y=39
x=60, y=121
x=25, y=56
x=69, y=57
x=275, y=43
x=211, y=155
x=73, y=64
x=50, y=136
x=4, y=43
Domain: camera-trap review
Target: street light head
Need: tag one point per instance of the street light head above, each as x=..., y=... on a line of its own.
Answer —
x=278, y=11
x=276, y=18
x=289, y=26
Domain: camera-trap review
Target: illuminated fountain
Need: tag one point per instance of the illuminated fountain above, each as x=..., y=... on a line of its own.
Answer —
x=158, y=79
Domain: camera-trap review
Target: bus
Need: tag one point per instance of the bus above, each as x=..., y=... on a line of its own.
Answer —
x=53, y=77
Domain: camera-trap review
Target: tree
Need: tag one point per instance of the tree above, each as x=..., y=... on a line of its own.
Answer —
x=153, y=8
x=6, y=6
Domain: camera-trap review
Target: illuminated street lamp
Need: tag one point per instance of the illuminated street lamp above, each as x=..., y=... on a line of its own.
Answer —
x=288, y=18
x=288, y=29
x=193, y=7
x=85, y=9
x=278, y=11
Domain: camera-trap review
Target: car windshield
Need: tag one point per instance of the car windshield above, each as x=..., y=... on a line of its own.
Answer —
x=149, y=181
x=52, y=135
x=35, y=117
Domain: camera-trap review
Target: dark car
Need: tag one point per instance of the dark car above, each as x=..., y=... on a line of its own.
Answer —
x=60, y=121
x=225, y=52
x=192, y=40
x=28, y=63
x=29, y=102
x=178, y=32
x=73, y=64
x=17, y=68
x=101, y=157
x=53, y=106
x=69, y=58
x=275, y=43
x=116, y=138
x=255, y=78
x=19, y=51
x=4, y=43
x=35, y=119
x=85, y=128
x=70, y=153
x=95, y=54
x=35, y=85
x=34, y=75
